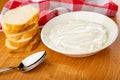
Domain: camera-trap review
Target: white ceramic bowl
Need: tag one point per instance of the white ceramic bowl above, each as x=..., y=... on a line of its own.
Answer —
x=80, y=15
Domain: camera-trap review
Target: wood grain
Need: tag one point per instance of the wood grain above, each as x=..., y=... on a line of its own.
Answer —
x=104, y=65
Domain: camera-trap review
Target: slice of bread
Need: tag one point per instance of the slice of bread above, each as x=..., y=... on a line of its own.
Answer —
x=31, y=46
x=31, y=31
x=19, y=43
x=10, y=47
x=18, y=19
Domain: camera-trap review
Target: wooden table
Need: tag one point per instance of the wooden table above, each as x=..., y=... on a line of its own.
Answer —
x=105, y=65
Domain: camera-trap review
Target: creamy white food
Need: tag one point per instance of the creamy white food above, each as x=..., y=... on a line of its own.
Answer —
x=78, y=36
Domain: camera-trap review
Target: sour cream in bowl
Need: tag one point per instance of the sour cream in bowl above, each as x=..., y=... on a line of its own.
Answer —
x=79, y=34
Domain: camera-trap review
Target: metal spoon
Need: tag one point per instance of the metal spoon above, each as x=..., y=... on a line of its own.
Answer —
x=28, y=63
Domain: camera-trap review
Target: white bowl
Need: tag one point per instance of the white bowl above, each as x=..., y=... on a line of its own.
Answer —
x=80, y=15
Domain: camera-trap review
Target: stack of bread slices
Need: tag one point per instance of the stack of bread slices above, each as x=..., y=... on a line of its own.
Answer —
x=20, y=26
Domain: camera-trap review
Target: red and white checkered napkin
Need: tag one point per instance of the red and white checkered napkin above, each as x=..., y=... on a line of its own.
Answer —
x=51, y=8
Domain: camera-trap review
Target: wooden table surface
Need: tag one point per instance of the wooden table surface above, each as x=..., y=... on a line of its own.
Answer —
x=105, y=65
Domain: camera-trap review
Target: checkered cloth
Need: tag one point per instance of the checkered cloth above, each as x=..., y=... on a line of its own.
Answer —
x=51, y=8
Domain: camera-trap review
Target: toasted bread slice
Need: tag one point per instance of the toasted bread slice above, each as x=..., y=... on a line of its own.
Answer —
x=18, y=19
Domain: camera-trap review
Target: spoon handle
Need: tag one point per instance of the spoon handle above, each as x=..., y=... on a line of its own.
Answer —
x=6, y=69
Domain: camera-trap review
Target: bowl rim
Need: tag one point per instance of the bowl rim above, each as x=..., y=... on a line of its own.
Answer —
x=78, y=53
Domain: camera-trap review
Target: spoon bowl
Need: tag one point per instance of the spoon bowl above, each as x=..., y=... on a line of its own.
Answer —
x=28, y=63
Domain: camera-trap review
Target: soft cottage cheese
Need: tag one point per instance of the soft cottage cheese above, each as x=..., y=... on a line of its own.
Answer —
x=78, y=36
